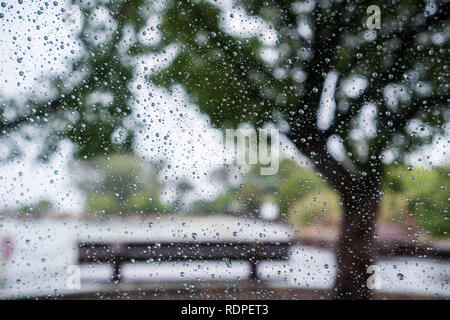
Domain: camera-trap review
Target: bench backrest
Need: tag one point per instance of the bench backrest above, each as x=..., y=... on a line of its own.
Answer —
x=119, y=253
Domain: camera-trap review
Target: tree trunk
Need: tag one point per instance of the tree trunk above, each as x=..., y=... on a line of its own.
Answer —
x=355, y=251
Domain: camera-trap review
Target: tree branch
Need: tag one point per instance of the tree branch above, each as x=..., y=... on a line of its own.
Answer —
x=42, y=111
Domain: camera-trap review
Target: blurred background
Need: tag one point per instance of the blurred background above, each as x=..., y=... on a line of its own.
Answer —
x=99, y=143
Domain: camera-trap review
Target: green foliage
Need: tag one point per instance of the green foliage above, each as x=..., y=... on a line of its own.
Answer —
x=317, y=208
x=122, y=184
x=304, y=197
x=37, y=210
x=290, y=185
x=427, y=195
x=211, y=65
x=223, y=204
x=432, y=211
x=102, y=203
x=294, y=184
x=143, y=203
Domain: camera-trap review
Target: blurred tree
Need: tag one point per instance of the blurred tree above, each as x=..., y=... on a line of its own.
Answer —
x=395, y=78
x=92, y=99
x=122, y=185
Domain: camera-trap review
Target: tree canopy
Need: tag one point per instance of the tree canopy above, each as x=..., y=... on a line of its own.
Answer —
x=403, y=69
x=400, y=70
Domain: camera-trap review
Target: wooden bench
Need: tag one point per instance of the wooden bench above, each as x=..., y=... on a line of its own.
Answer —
x=387, y=248
x=120, y=253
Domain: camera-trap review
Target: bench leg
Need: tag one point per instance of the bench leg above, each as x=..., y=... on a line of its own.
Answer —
x=253, y=270
x=116, y=272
